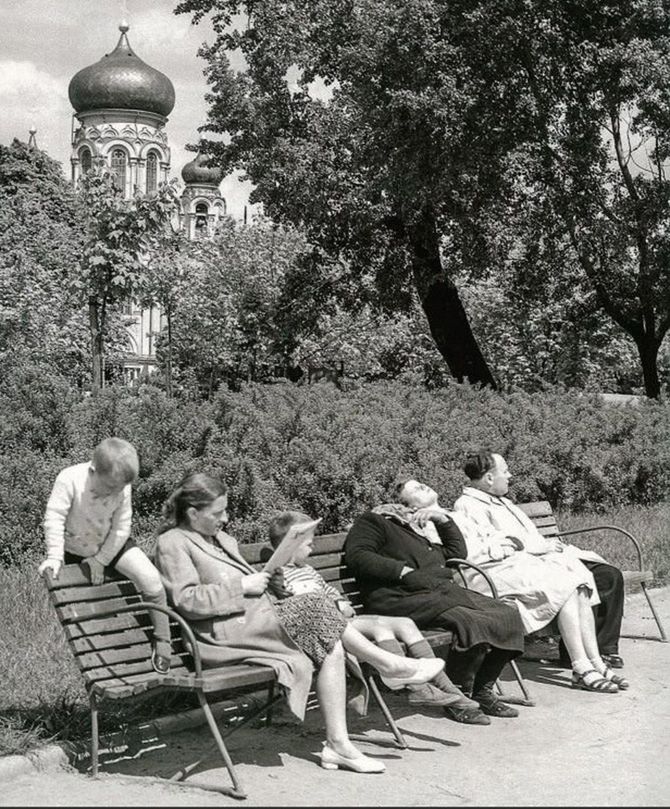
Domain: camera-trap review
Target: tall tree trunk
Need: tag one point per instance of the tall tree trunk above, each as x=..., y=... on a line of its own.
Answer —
x=168, y=368
x=647, y=348
x=95, y=329
x=442, y=305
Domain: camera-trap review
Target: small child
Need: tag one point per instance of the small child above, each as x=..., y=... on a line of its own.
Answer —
x=387, y=631
x=87, y=520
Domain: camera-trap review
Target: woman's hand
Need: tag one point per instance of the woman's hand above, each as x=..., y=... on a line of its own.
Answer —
x=256, y=583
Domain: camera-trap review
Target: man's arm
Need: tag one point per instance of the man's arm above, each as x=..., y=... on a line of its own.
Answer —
x=362, y=551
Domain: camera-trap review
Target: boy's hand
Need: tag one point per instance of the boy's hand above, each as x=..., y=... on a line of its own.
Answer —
x=54, y=565
x=96, y=570
x=255, y=584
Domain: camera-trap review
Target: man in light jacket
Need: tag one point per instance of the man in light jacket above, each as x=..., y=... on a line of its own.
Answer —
x=484, y=501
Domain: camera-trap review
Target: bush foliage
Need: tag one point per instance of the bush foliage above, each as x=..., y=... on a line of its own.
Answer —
x=328, y=451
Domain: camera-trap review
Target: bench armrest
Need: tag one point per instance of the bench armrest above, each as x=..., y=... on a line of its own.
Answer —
x=186, y=629
x=463, y=563
x=635, y=542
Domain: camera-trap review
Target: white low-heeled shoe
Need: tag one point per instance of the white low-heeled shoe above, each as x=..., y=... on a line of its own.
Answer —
x=428, y=668
x=331, y=760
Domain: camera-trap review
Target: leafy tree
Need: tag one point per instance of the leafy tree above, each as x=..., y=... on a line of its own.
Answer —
x=599, y=84
x=384, y=173
x=40, y=240
x=117, y=234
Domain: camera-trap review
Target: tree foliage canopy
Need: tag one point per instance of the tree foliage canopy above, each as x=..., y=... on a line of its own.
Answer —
x=407, y=135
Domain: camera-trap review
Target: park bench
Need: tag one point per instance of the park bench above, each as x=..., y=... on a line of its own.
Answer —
x=108, y=630
x=544, y=519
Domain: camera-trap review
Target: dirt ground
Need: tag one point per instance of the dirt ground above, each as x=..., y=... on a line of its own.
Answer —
x=572, y=749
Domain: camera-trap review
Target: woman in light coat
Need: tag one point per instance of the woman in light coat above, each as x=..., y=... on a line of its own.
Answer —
x=236, y=619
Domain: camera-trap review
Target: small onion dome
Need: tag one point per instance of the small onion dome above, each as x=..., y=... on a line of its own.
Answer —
x=196, y=172
x=121, y=80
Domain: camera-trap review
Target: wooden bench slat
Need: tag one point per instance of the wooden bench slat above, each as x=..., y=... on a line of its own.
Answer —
x=540, y=508
x=126, y=669
x=128, y=637
x=93, y=592
x=74, y=576
x=98, y=626
x=105, y=657
x=91, y=609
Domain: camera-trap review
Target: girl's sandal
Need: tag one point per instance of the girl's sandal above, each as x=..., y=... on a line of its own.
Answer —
x=617, y=679
x=603, y=685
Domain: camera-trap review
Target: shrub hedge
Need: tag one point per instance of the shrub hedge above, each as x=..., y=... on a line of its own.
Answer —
x=331, y=452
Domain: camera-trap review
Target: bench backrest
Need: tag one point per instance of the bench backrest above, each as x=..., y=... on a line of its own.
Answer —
x=327, y=557
x=328, y=554
x=106, y=647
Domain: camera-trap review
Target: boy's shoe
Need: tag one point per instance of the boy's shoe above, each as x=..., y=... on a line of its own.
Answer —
x=160, y=663
x=430, y=696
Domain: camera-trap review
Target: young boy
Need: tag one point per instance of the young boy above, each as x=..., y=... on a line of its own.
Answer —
x=387, y=631
x=87, y=520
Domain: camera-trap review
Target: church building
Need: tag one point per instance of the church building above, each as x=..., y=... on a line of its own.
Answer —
x=121, y=109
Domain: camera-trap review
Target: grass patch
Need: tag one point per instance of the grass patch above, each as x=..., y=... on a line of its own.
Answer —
x=43, y=697
x=649, y=525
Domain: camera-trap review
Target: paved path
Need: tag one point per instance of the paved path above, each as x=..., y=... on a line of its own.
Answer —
x=573, y=749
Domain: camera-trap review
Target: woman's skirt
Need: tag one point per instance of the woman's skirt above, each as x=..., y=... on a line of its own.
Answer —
x=313, y=623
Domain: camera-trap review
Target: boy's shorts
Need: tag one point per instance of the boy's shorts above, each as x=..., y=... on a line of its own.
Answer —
x=75, y=559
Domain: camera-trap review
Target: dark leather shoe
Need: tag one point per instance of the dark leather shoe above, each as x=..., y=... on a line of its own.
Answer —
x=493, y=706
x=466, y=716
x=614, y=661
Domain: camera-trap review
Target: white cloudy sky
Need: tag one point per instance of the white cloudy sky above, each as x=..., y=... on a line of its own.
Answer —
x=43, y=43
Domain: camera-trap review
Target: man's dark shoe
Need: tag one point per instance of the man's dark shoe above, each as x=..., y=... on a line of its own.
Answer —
x=614, y=661
x=466, y=716
x=493, y=706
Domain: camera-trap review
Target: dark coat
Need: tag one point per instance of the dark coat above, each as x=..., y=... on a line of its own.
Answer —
x=376, y=550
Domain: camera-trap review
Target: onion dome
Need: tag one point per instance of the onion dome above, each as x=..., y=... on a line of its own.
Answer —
x=196, y=172
x=121, y=80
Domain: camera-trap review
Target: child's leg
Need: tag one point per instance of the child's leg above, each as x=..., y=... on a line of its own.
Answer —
x=138, y=568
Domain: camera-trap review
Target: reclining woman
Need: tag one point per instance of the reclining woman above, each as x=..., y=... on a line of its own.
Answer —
x=236, y=619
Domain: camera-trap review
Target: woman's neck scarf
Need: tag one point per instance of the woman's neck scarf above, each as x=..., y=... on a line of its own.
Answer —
x=407, y=516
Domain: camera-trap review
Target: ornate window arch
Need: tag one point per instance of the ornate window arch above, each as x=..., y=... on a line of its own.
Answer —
x=201, y=219
x=152, y=171
x=86, y=160
x=119, y=167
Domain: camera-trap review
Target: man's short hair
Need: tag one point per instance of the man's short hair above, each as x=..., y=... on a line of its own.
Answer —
x=281, y=522
x=477, y=464
x=397, y=486
x=117, y=458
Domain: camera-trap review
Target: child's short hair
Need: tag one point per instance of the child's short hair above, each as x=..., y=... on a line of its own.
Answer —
x=281, y=522
x=117, y=458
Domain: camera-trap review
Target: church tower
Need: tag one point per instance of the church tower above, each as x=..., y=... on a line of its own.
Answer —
x=121, y=108
x=201, y=202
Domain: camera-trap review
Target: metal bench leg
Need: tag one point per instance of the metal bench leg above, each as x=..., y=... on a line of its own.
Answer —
x=271, y=701
x=94, y=735
x=400, y=739
x=236, y=791
x=526, y=700
x=664, y=637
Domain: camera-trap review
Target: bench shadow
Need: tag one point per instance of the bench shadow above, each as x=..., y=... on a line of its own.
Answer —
x=141, y=751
